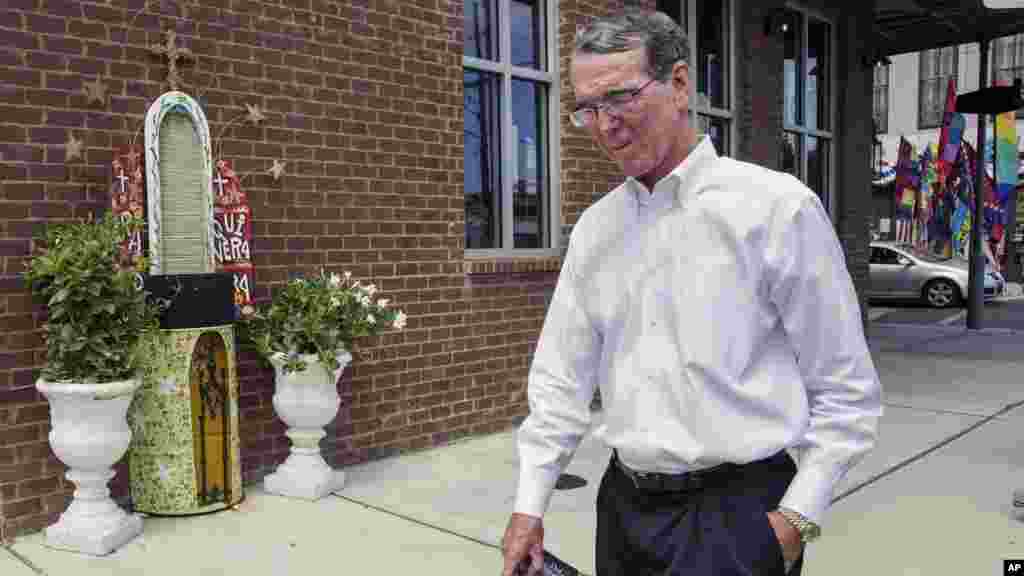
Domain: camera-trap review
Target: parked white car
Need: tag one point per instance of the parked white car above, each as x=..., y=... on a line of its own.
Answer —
x=898, y=271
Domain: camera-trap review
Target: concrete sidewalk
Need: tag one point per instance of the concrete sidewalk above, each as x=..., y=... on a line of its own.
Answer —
x=933, y=498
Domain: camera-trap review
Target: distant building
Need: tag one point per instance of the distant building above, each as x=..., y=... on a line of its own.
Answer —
x=910, y=93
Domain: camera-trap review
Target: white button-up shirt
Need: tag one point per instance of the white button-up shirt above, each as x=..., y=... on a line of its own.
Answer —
x=717, y=315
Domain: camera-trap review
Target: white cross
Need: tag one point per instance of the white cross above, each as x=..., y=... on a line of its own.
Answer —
x=219, y=180
x=123, y=179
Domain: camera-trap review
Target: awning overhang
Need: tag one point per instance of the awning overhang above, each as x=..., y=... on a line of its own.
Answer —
x=903, y=26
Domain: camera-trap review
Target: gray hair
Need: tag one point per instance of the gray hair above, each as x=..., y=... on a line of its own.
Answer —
x=664, y=42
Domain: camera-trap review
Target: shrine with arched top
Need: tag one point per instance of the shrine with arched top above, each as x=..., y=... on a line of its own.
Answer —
x=185, y=451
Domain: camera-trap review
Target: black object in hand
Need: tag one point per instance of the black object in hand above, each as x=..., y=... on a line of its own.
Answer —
x=553, y=566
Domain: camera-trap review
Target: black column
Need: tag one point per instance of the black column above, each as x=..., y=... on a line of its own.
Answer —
x=976, y=283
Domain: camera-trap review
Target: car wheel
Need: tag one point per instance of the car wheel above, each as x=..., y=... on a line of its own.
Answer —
x=941, y=293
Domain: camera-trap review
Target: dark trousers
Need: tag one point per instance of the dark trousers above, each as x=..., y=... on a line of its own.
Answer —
x=721, y=529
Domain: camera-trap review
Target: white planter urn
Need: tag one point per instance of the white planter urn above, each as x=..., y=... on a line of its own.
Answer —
x=306, y=401
x=90, y=434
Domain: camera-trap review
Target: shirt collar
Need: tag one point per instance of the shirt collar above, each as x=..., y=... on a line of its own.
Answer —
x=678, y=183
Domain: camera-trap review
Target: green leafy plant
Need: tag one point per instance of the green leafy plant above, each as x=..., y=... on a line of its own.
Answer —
x=321, y=315
x=98, y=314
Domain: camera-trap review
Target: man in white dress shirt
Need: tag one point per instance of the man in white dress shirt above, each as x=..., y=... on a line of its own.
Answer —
x=709, y=300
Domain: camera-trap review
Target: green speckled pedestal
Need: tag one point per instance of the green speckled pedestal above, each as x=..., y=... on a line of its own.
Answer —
x=165, y=478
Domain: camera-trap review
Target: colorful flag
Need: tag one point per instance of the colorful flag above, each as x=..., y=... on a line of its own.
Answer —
x=1006, y=161
x=953, y=124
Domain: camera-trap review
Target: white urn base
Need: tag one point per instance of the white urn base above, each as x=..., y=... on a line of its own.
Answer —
x=306, y=401
x=97, y=535
x=304, y=476
x=90, y=434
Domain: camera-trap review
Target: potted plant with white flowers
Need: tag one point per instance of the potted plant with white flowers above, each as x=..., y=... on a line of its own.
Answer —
x=98, y=320
x=307, y=332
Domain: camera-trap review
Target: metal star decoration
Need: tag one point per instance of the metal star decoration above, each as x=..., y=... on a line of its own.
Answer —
x=96, y=91
x=277, y=170
x=72, y=148
x=254, y=114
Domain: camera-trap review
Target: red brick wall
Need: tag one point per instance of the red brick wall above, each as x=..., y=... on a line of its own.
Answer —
x=364, y=102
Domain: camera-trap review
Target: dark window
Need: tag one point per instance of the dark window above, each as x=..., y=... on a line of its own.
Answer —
x=1008, y=61
x=506, y=124
x=880, y=100
x=806, y=142
x=937, y=67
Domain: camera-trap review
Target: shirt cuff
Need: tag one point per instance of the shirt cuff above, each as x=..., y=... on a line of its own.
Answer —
x=810, y=492
x=535, y=488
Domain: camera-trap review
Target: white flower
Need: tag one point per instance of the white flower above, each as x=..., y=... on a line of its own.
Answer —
x=371, y=289
x=400, y=320
x=383, y=302
x=348, y=276
x=335, y=301
x=168, y=385
x=371, y=319
x=335, y=280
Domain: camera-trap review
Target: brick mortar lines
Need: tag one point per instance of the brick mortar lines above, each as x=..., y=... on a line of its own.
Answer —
x=444, y=147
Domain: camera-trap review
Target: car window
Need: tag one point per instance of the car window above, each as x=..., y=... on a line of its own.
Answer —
x=880, y=255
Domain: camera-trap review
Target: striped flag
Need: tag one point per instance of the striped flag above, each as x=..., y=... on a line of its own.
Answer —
x=953, y=124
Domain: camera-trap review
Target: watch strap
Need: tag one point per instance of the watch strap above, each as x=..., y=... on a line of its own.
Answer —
x=808, y=530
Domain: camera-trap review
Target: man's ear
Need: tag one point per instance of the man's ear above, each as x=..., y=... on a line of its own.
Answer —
x=681, y=84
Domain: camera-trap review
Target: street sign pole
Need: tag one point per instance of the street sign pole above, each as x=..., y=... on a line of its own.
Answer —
x=976, y=277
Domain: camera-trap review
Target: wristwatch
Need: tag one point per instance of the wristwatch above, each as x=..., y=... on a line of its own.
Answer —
x=808, y=530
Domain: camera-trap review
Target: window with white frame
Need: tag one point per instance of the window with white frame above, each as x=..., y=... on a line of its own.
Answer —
x=708, y=27
x=807, y=135
x=880, y=98
x=937, y=66
x=510, y=91
x=1008, y=61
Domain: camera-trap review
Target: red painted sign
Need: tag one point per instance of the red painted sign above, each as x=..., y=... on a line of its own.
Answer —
x=232, y=221
x=128, y=196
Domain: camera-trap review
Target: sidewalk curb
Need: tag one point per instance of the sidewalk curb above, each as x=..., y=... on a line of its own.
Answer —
x=946, y=330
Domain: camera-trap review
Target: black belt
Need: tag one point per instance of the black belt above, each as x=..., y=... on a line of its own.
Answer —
x=685, y=482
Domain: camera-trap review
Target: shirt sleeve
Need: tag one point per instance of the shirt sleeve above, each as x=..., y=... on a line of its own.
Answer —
x=560, y=388
x=812, y=290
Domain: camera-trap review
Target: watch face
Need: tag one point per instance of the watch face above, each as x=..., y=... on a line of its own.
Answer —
x=810, y=533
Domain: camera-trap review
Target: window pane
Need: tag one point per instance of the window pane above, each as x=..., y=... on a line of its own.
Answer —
x=881, y=109
x=712, y=58
x=932, y=102
x=817, y=167
x=527, y=162
x=528, y=34
x=789, y=154
x=949, y=60
x=924, y=97
x=792, y=90
x=819, y=60
x=480, y=29
x=482, y=174
x=1001, y=53
x=718, y=130
x=927, y=64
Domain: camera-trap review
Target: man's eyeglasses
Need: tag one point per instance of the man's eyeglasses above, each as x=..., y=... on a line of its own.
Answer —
x=613, y=103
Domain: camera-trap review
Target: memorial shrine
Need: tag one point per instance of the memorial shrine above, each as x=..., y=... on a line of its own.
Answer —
x=184, y=457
